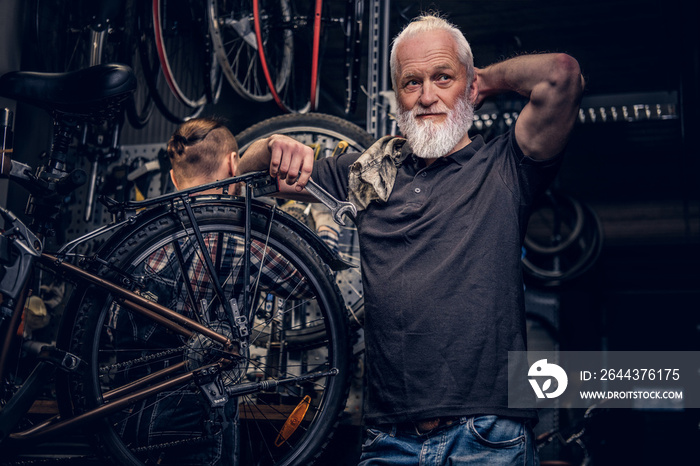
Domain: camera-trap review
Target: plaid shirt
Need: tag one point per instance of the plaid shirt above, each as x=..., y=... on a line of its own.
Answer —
x=175, y=275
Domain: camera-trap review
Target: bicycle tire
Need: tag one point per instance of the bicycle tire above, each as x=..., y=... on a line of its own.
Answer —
x=564, y=217
x=95, y=338
x=328, y=134
x=572, y=262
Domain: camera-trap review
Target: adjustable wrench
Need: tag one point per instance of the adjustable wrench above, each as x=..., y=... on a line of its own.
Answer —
x=338, y=208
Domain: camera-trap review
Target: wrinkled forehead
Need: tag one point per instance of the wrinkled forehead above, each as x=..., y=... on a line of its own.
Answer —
x=426, y=52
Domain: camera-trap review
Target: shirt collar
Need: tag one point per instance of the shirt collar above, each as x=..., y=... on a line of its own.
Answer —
x=460, y=157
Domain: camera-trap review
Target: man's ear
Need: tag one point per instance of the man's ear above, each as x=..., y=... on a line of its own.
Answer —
x=233, y=163
x=473, y=91
x=172, y=178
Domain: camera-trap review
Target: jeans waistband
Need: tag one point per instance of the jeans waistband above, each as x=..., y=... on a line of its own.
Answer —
x=423, y=426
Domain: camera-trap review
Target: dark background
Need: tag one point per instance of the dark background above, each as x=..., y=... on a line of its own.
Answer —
x=641, y=178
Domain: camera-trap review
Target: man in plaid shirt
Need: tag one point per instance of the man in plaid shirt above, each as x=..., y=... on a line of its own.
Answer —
x=202, y=150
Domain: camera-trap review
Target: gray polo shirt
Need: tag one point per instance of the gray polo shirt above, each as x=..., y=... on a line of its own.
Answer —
x=442, y=279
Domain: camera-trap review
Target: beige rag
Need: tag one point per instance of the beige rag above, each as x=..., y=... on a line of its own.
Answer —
x=373, y=174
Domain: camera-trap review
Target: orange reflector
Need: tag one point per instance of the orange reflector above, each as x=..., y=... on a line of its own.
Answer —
x=293, y=421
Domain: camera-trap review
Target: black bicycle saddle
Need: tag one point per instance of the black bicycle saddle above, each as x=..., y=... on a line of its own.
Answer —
x=93, y=93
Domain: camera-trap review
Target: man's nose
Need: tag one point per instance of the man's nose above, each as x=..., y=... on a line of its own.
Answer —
x=428, y=95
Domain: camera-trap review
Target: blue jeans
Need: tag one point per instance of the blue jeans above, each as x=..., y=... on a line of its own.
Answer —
x=479, y=440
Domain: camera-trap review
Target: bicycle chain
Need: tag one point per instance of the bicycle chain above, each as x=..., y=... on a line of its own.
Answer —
x=123, y=365
x=167, y=445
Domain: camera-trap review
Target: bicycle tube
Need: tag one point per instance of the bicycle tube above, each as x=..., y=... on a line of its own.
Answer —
x=103, y=336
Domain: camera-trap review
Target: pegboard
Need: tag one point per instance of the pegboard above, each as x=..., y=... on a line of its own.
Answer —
x=138, y=172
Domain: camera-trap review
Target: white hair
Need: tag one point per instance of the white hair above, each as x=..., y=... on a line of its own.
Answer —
x=426, y=23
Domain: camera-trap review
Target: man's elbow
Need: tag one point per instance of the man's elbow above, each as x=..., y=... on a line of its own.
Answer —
x=567, y=77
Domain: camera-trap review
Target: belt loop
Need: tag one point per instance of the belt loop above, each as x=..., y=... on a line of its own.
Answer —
x=394, y=427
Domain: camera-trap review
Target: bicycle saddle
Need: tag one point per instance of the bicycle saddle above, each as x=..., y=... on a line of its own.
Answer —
x=94, y=93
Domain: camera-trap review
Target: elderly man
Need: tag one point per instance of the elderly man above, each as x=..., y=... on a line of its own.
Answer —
x=441, y=218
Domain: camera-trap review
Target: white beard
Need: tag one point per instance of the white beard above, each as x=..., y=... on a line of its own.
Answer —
x=431, y=140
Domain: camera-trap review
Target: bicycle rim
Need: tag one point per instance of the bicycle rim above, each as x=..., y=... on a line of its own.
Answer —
x=167, y=427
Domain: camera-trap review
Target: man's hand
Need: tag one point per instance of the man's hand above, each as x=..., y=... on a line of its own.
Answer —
x=290, y=160
x=286, y=158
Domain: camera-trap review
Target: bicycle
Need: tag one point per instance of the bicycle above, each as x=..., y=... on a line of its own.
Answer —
x=138, y=332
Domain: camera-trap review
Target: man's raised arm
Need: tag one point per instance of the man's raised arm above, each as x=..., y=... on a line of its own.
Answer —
x=553, y=83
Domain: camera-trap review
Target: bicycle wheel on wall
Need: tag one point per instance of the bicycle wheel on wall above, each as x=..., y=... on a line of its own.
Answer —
x=293, y=294
x=232, y=30
x=329, y=136
x=173, y=52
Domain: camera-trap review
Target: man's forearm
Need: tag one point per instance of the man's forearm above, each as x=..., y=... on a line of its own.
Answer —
x=256, y=157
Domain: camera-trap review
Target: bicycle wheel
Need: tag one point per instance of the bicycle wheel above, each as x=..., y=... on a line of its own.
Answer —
x=173, y=42
x=232, y=30
x=329, y=136
x=293, y=293
x=178, y=39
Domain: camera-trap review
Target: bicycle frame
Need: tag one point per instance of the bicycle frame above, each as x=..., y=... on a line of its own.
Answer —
x=257, y=183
